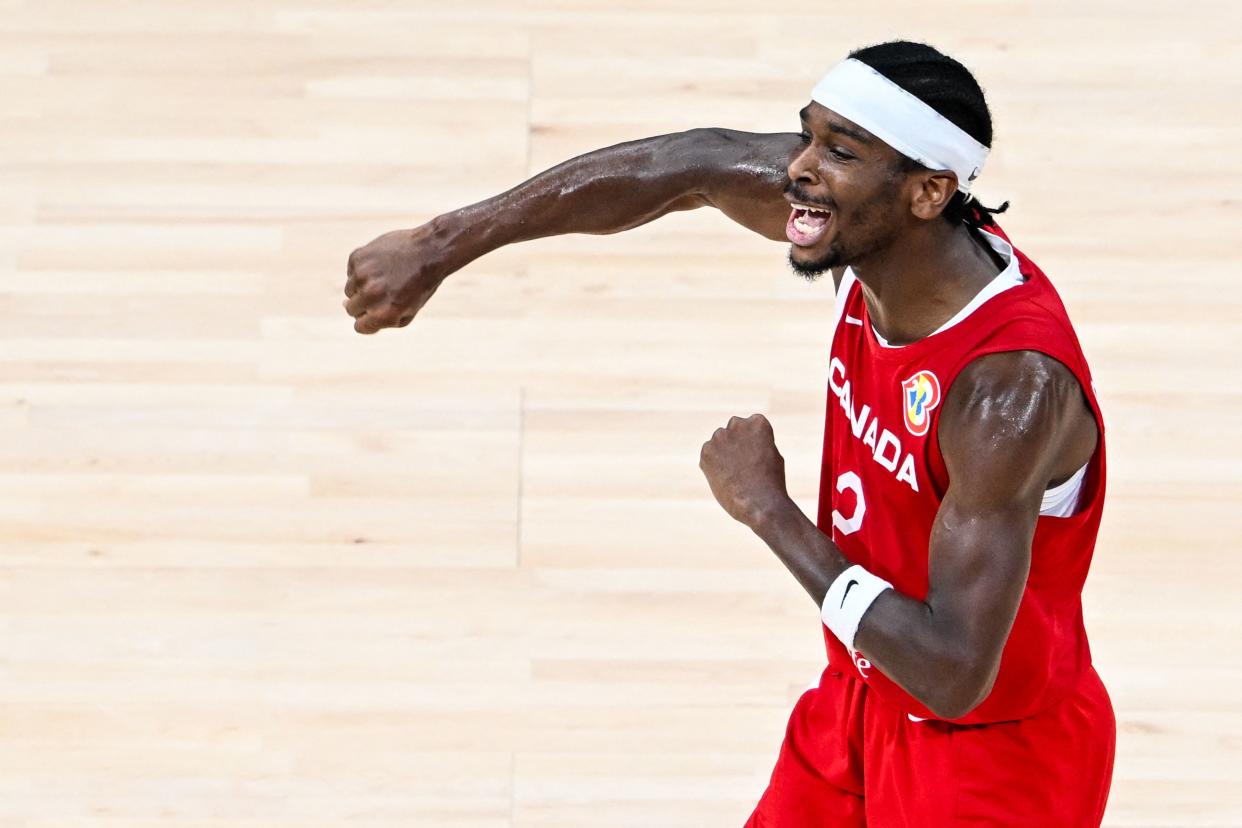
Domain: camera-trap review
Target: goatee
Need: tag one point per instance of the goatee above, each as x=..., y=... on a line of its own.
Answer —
x=812, y=270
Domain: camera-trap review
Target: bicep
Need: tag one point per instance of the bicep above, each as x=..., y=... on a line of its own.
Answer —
x=1011, y=421
x=747, y=177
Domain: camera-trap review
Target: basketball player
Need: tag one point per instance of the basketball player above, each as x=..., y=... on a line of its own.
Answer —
x=963, y=468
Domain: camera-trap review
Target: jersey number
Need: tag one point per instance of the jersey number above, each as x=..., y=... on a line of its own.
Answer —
x=849, y=481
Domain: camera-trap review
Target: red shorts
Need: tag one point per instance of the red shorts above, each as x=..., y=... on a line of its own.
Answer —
x=850, y=759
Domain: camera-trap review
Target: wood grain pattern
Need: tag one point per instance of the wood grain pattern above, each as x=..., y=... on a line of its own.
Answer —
x=256, y=570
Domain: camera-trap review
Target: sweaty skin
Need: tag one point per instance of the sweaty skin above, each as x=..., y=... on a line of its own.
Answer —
x=1012, y=424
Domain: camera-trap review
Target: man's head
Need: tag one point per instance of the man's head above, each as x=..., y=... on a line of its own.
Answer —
x=864, y=193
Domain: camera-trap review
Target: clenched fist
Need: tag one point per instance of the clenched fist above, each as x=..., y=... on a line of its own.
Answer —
x=391, y=278
x=745, y=471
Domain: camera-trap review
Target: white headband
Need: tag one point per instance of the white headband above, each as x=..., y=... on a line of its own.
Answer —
x=854, y=90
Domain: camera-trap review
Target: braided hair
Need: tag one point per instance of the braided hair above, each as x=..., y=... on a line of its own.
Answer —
x=947, y=87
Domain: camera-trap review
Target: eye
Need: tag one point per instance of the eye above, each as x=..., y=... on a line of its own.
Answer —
x=840, y=154
x=805, y=136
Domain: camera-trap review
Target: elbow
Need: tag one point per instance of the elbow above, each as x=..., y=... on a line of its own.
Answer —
x=712, y=137
x=951, y=708
x=958, y=696
x=698, y=145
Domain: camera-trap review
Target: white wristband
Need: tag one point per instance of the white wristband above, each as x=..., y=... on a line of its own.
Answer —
x=849, y=596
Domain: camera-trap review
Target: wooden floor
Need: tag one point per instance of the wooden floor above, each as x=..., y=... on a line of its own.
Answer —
x=256, y=570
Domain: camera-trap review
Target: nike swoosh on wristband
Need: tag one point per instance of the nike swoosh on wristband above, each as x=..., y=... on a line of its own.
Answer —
x=848, y=587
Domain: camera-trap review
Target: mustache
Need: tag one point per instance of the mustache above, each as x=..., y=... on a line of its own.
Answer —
x=801, y=195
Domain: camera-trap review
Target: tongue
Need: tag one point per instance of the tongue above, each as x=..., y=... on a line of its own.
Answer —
x=813, y=221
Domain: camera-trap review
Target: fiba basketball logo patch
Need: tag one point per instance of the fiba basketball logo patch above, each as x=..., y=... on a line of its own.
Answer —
x=920, y=394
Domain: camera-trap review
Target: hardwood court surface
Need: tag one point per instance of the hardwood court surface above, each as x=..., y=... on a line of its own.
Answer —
x=257, y=570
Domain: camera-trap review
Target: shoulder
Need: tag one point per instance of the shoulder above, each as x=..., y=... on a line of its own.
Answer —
x=1023, y=411
x=1013, y=385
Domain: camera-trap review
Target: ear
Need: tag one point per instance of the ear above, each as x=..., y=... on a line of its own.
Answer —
x=932, y=193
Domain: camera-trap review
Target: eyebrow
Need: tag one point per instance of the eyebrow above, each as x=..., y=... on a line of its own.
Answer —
x=840, y=129
x=860, y=137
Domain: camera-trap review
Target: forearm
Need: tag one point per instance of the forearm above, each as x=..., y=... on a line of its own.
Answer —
x=925, y=654
x=606, y=191
x=922, y=652
x=624, y=186
x=809, y=555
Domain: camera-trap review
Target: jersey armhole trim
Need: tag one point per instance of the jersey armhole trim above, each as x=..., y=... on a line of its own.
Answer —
x=843, y=294
x=1062, y=501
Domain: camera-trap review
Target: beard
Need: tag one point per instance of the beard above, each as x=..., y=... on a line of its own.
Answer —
x=812, y=270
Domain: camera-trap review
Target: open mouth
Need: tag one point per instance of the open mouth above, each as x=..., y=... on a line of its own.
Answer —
x=807, y=224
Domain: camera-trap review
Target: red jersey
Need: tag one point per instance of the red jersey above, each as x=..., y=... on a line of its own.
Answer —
x=883, y=479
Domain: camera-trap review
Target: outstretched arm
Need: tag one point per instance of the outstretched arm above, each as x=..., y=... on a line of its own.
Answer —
x=1012, y=424
x=742, y=174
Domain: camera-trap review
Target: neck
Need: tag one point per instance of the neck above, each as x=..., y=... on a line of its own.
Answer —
x=923, y=279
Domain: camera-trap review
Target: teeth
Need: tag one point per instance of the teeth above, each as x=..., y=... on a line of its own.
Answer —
x=809, y=208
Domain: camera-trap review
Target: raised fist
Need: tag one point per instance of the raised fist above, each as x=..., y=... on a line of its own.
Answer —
x=391, y=278
x=743, y=468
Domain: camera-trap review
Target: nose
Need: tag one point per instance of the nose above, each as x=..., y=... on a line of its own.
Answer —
x=802, y=169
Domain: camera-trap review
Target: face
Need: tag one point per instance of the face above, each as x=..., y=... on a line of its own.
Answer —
x=846, y=194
